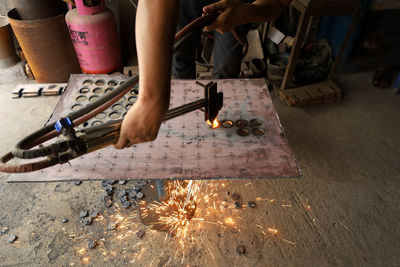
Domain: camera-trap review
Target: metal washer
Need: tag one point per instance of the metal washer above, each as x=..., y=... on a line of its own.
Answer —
x=244, y=131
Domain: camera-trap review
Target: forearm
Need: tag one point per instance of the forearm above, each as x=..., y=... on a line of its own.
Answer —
x=155, y=30
x=265, y=10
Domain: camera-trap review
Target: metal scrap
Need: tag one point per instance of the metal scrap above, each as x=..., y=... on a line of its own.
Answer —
x=235, y=196
x=252, y=204
x=91, y=244
x=140, y=233
x=11, y=238
x=83, y=214
x=241, y=250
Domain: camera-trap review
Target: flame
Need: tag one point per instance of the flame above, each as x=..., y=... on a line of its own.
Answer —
x=214, y=124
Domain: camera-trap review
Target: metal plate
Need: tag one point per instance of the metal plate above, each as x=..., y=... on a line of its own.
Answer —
x=186, y=148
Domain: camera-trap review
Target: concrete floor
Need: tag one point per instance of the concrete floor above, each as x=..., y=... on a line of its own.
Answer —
x=345, y=210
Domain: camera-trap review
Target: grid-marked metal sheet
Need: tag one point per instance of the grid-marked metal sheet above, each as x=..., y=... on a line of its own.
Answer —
x=186, y=148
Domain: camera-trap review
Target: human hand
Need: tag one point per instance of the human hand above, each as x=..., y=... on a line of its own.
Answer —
x=232, y=13
x=142, y=122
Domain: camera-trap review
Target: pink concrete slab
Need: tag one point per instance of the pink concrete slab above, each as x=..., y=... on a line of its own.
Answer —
x=186, y=148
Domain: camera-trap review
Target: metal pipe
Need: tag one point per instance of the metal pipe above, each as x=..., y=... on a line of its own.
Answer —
x=162, y=189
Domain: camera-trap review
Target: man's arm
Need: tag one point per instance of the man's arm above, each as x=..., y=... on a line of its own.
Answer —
x=155, y=30
x=234, y=13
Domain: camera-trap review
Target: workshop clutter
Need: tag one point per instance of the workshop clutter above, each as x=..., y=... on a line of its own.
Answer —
x=94, y=36
x=44, y=40
x=313, y=64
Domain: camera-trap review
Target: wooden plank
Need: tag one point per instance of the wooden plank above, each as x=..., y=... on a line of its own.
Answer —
x=353, y=24
x=298, y=43
x=327, y=92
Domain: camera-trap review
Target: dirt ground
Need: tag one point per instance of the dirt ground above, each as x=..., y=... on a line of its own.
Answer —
x=345, y=211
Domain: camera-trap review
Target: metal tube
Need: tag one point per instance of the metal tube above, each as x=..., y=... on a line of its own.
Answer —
x=162, y=189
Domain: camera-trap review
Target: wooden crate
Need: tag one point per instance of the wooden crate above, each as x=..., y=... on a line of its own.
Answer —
x=324, y=92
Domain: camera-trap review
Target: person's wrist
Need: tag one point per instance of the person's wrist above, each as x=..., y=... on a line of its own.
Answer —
x=157, y=101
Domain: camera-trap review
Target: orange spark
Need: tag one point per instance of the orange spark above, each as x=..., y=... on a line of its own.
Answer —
x=86, y=260
x=272, y=231
x=229, y=220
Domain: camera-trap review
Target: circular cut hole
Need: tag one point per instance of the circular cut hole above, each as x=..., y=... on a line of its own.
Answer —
x=258, y=131
x=94, y=98
x=76, y=107
x=84, y=90
x=113, y=83
x=97, y=90
x=127, y=107
x=227, y=124
x=101, y=116
x=122, y=99
x=243, y=131
x=81, y=98
x=117, y=107
x=96, y=123
x=109, y=89
x=255, y=123
x=134, y=91
x=114, y=115
x=100, y=82
x=88, y=82
x=241, y=123
x=132, y=99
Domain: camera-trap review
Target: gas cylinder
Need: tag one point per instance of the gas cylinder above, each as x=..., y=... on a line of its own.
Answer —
x=94, y=36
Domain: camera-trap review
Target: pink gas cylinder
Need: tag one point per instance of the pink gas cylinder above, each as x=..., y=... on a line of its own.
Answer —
x=94, y=35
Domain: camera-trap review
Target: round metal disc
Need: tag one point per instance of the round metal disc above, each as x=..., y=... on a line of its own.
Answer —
x=116, y=107
x=96, y=123
x=258, y=131
x=88, y=82
x=243, y=131
x=81, y=98
x=122, y=99
x=113, y=83
x=114, y=115
x=100, y=82
x=101, y=115
x=76, y=107
x=84, y=90
x=98, y=90
x=109, y=89
x=255, y=123
x=132, y=99
x=94, y=98
x=227, y=124
x=241, y=123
